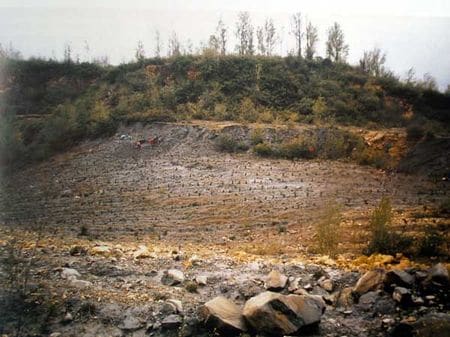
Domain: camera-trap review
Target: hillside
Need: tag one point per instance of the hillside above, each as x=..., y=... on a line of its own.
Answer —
x=48, y=106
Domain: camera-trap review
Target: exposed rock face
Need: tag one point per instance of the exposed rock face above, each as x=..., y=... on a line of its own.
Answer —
x=223, y=315
x=273, y=313
x=276, y=281
x=369, y=281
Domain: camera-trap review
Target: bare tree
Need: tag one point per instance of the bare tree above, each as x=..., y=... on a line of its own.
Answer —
x=158, y=46
x=312, y=38
x=261, y=41
x=67, y=53
x=139, y=53
x=372, y=62
x=410, y=76
x=428, y=82
x=296, y=30
x=213, y=44
x=244, y=34
x=221, y=36
x=337, y=50
x=174, y=48
x=267, y=37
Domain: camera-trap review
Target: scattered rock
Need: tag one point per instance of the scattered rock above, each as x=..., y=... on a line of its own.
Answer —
x=369, y=281
x=345, y=298
x=294, y=284
x=80, y=283
x=439, y=274
x=274, y=313
x=402, y=296
x=67, y=318
x=201, y=280
x=131, y=323
x=77, y=251
x=172, y=277
x=327, y=284
x=223, y=315
x=142, y=252
x=399, y=278
x=70, y=273
x=275, y=281
x=101, y=250
x=177, y=304
x=367, y=301
x=433, y=325
x=172, y=322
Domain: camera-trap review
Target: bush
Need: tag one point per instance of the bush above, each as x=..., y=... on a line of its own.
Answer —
x=415, y=132
x=297, y=148
x=431, y=243
x=327, y=230
x=257, y=137
x=383, y=239
x=263, y=150
x=226, y=143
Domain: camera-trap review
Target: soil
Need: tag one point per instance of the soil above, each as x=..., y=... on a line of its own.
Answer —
x=231, y=217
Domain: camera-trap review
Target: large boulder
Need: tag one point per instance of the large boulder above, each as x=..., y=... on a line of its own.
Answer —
x=276, y=281
x=369, y=281
x=223, y=315
x=273, y=313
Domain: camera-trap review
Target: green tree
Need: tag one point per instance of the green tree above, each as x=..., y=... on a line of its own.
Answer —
x=372, y=62
x=312, y=38
x=244, y=34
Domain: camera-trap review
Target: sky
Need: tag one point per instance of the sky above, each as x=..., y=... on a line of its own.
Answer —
x=414, y=33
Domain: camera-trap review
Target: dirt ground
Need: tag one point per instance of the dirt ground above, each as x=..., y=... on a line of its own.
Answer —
x=194, y=208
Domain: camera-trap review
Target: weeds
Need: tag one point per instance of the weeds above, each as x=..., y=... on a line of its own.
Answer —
x=226, y=143
x=328, y=230
x=431, y=244
x=383, y=239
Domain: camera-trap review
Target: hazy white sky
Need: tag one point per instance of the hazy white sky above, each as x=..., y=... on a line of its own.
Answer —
x=414, y=33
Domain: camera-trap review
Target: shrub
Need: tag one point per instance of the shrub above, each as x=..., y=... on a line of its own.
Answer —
x=327, y=230
x=226, y=143
x=383, y=239
x=415, y=132
x=297, y=148
x=431, y=243
x=256, y=137
x=263, y=150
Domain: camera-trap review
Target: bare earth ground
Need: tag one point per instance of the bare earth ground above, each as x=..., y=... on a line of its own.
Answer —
x=232, y=217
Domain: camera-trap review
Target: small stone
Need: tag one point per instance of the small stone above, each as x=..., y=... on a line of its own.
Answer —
x=80, y=283
x=177, y=304
x=142, y=252
x=367, y=300
x=172, y=322
x=400, y=278
x=275, y=281
x=327, y=284
x=101, y=250
x=67, y=318
x=439, y=274
x=369, y=281
x=131, y=323
x=202, y=280
x=345, y=298
x=70, y=273
x=294, y=284
x=172, y=277
x=55, y=334
x=402, y=296
x=77, y=251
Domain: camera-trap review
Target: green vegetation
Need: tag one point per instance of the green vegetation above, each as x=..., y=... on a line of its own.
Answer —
x=48, y=106
x=383, y=238
x=327, y=231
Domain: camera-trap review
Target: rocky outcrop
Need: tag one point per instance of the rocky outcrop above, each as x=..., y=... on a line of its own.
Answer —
x=223, y=315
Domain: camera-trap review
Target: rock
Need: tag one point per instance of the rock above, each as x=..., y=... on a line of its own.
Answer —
x=142, y=252
x=369, y=281
x=367, y=301
x=327, y=284
x=131, y=323
x=433, y=325
x=274, y=313
x=294, y=284
x=223, y=315
x=172, y=277
x=77, y=251
x=402, y=296
x=201, y=280
x=345, y=298
x=70, y=273
x=55, y=334
x=67, y=318
x=101, y=250
x=399, y=278
x=177, y=304
x=80, y=283
x=66, y=193
x=172, y=322
x=275, y=281
x=439, y=274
